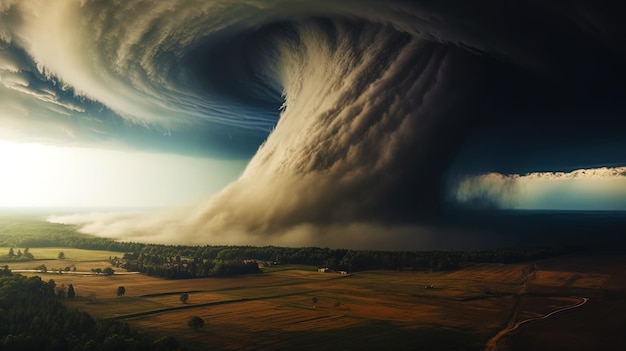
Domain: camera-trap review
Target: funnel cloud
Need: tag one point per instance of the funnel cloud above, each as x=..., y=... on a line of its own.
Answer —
x=362, y=122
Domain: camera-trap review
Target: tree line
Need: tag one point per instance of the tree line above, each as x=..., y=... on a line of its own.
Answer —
x=163, y=265
x=182, y=261
x=178, y=261
x=25, y=232
x=33, y=318
x=18, y=255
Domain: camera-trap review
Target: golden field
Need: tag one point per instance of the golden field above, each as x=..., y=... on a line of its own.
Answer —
x=460, y=310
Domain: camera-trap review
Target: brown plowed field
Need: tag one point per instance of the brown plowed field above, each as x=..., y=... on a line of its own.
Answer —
x=457, y=310
x=598, y=325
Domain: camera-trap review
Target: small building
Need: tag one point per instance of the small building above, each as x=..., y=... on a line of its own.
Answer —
x=323, y=270
x=342, y=272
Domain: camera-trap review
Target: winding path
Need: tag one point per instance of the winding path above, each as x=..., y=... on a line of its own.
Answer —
x=492, y=343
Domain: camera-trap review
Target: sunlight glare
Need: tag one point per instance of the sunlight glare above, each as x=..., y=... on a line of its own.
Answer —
x=34, y=175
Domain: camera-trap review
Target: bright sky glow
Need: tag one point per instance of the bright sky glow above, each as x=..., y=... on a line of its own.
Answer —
x=33, y=175
x=588, y=189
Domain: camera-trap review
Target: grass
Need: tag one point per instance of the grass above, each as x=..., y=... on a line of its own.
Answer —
x=82, y=260
x=275, y=309
x=32, y=230
x=372, y=309
x=77, y=255
x=598, y=325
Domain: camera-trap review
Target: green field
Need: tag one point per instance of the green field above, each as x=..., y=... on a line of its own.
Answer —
x=71, y=254
x=75, y=259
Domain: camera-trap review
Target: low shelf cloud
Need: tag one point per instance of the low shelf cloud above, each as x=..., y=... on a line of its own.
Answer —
x=593, y=189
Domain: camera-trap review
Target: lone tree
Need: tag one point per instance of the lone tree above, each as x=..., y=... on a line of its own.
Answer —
x=196, y=323
x=184, y=297
x=27, y=254
x=42, y=268
x=121, y=291
x=61, y=291
x=5, y=271
x=11, y=253
x=61, y=255
x=314, y=299
x=70, y=292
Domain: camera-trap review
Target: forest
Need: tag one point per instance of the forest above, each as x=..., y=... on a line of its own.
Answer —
x=178, y=261
x=32, y=317
x=184, y=261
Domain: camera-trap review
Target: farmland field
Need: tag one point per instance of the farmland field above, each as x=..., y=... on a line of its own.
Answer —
x=52, y=253
x=453, y=310
x=82, y=260
x=598, y=325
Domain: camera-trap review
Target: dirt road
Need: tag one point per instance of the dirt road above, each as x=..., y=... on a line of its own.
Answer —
x=493, y=342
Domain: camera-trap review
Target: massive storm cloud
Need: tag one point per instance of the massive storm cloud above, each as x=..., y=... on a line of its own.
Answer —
x=352, y=113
